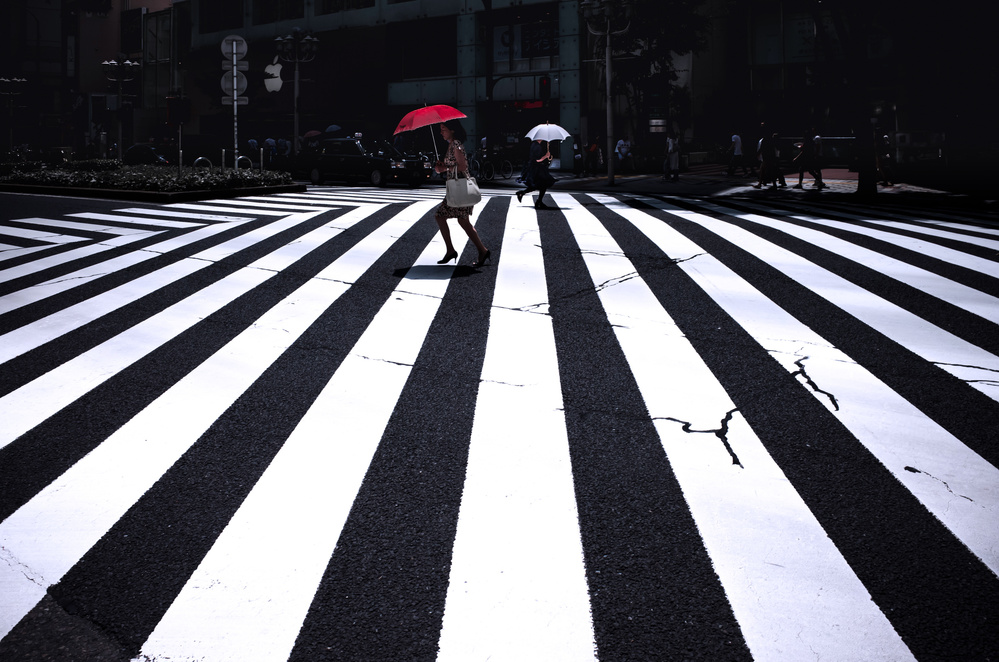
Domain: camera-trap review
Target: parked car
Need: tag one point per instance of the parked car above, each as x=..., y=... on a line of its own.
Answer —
x=356, y=159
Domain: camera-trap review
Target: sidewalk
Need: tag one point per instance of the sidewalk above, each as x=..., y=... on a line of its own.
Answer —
x=711, y=180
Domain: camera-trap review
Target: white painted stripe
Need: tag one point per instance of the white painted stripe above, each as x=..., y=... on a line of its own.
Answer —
x=970, y=299
x=362, y=198
x=427, y=190
x=972, y=364
x=250, y=595
x=220, y=209
x=66, y=282
x=518, y=587
x=915, y=244
x=298, y=198
x=954, y=223
x=953, y=482
x=194, y=216
x=33, y=335
x=10, y=252
x=32, y=403
x=936, y=232
x=267, y=203
x=48, y=535
x=793, y=593
x=354, y=196
x=70, y=256
x=73, y=225
x=39, y=235
x=159, y=222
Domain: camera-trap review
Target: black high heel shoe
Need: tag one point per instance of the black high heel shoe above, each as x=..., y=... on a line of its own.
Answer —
x=483, y=258
x=450, y=255
x=520, y=196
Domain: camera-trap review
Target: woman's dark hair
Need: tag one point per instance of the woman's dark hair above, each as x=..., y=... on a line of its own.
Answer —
x=457, y=129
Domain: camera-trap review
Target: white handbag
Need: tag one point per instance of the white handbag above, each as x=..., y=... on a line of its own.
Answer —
x=462, y=192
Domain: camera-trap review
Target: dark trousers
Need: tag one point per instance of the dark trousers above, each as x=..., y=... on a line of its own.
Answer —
x=541, y=193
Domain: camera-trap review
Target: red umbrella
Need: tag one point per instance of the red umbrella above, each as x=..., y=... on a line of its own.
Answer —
x=428, y=116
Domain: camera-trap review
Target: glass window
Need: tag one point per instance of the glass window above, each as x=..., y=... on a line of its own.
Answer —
x=331, y=6
x=424, y=48
x=271, y=11
x=157, y=37
x=220, y=15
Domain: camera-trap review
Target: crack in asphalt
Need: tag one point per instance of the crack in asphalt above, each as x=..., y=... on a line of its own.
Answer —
x=942, y=482
x=529, y=308
x=678, y=260
x=810, y=383
x=965, y=365
x=399, y=363
x=615, y=281
x=67, y=280
x=16, y=564
x=720, y=432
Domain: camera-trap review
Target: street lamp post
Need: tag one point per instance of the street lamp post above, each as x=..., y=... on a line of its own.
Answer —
x=297, y=47
x=120, y=72
x=601, y=13
x=11, y=87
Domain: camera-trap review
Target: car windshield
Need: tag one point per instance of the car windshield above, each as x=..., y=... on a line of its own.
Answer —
x=381, y=148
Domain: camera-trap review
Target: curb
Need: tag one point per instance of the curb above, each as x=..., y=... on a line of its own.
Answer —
x=164, y=197
x=706, y=185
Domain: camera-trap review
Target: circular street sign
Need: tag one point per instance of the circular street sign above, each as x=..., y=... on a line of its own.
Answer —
x=240, y=44
x=227, y=83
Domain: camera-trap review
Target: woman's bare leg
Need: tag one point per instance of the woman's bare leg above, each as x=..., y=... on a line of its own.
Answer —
x=445, y=233
x=469, y=229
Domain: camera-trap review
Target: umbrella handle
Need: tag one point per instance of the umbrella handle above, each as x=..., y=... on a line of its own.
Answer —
x=434, y=138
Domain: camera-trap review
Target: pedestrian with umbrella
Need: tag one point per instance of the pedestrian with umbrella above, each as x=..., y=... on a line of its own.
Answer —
x=536, y=174
x=455, y=162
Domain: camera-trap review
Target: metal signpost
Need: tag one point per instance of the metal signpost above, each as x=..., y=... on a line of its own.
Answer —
x=234, y=84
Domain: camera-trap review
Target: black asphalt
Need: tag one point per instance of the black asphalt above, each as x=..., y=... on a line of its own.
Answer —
x=654, y=593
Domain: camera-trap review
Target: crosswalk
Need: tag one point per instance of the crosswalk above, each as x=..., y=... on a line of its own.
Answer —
x=274, y=428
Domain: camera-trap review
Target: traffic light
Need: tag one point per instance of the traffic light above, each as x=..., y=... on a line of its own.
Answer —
x=545, y=88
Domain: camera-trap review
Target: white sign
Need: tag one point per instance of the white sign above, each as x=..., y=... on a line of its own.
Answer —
x=227, y=83
x=229, y=42
x=272, y=76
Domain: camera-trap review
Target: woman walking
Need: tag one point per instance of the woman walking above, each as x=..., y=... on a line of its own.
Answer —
x=536, y=175
x=453, y=163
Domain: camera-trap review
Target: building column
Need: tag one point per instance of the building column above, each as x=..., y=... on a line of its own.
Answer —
x=569, y=84
x=467, y=80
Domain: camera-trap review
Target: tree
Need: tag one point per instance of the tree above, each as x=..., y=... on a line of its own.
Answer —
x=644, y=54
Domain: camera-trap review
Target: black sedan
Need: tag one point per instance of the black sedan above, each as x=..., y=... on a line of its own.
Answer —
x=358, y=160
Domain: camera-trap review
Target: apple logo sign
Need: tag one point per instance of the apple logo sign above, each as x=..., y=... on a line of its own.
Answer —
x=272, y=76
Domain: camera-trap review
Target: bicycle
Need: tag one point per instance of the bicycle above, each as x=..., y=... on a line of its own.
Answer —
x=486, y=169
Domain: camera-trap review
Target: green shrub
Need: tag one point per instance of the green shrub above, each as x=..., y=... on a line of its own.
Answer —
x=110, y=174
x=23, y=166
x=93, y=165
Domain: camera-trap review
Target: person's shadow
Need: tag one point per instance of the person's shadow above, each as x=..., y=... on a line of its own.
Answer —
x=435, y=272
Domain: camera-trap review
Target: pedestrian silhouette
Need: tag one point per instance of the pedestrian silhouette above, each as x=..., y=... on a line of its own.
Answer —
x=536, y=174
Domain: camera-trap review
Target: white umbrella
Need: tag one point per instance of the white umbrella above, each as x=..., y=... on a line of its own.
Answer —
x=547, y=132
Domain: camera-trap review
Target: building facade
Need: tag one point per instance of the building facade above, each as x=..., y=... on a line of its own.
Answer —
x=850, y=69
x=507, y=64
